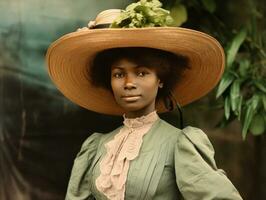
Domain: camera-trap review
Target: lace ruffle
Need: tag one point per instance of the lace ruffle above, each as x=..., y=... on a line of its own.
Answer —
x=120, y=151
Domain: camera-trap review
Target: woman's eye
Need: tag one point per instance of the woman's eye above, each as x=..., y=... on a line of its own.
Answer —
x=142, y=73
x=118, y=75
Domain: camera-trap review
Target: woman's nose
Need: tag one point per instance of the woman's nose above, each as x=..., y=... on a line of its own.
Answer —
x=129, y=83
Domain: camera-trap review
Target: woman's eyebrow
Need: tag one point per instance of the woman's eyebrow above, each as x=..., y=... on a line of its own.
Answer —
x=122, y=68
x=117, y=67
x=142, y=67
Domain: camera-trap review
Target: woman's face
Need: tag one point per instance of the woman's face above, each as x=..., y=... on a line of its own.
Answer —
x=134, y=87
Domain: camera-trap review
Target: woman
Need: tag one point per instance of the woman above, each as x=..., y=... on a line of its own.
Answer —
x=137, y=73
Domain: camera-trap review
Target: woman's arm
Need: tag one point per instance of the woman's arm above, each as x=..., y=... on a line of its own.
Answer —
x=78, y=186
x=197, y=175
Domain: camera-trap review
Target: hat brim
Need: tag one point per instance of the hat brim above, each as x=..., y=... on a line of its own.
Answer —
x=69, y=58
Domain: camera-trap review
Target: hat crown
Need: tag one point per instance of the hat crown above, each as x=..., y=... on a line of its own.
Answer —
x=107, y=16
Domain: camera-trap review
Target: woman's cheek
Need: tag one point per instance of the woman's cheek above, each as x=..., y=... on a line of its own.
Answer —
x=116, y=85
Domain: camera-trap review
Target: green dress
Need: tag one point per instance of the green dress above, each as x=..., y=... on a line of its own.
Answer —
x=172, y=164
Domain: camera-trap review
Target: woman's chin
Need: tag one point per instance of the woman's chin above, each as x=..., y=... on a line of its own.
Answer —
x=132, y=107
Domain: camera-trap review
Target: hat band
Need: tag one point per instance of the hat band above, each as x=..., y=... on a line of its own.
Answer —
x=101, y=26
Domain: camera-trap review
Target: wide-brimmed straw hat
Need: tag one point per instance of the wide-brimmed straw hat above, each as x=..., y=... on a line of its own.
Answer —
x=70, y=57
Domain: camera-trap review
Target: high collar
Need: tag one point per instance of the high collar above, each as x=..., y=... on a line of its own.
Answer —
x=140, y=121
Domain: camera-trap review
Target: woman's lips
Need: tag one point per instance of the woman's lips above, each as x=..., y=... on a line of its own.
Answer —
x=131, y=98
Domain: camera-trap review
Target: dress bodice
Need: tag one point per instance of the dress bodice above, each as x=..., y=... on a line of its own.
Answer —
x=172, y=164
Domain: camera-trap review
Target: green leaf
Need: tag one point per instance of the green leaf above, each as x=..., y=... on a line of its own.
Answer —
x=169, y=21
x=151, y=3
x=139, y=17
x=157, y=4
x=227, y=108
x=235, y=94
x=161, y=12
x=239, y=108
x=248, y=117
x=263, y=98
x=143, y=14
x=251, y=111
x=260, y=85
x=209, y=5
x=132, y=6
x=122, y=20
x=179, y=14
x=234, y=47
x=244, y=67
x=227, y=79
x=257, y=125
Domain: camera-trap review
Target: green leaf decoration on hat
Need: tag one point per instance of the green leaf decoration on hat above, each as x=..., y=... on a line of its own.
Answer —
x=145, y=13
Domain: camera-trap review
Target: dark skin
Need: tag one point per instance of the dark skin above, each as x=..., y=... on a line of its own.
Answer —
x=134, y=87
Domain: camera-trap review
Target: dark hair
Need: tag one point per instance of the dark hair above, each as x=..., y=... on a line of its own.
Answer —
x=168, y=66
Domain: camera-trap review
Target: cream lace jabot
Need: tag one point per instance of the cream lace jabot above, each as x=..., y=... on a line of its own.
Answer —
x=124, y=147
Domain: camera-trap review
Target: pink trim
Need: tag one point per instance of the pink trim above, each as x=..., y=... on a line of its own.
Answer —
x=120, y=151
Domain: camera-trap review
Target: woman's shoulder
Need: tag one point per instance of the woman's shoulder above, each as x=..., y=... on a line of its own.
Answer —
x=96, y=138
x=194, y=134
x=188, y=130
x=196, y=142
x=190, y=136
x=90, y=143
x=198, y=137
x=194, y=156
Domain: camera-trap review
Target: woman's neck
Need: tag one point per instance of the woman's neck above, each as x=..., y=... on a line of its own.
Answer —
x=135, y=114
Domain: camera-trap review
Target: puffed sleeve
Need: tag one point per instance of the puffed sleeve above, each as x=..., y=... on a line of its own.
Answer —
x=78, y=186
x=197, y=175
